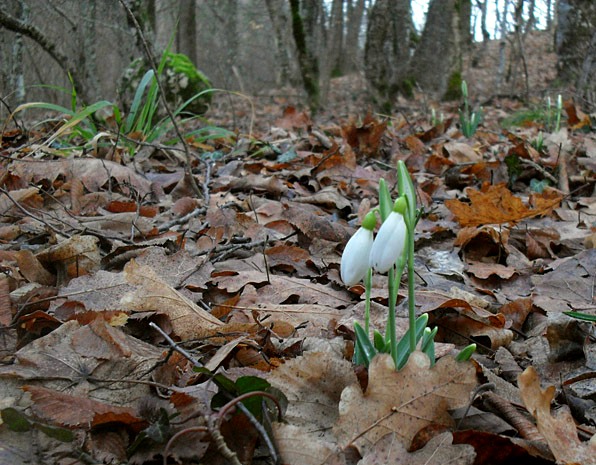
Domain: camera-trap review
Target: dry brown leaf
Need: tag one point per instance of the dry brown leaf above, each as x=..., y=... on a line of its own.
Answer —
x=402, y=402
x=495, y=204
x=77, y=255
x=486, y=270
x=66, y=410
x=7, y=202
x=313, y=384
x=92, y=172
x=31, y=268
x=558, y=430
x=365, y=138
x=5, y=302
x=438, y=451
x=154, y=294
x=460, y=152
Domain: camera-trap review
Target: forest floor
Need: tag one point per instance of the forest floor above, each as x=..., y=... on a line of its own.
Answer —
x=146, y=320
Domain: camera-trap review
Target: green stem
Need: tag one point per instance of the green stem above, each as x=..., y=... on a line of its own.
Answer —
x=368, y=289
x=391, y=329
x=411, y=294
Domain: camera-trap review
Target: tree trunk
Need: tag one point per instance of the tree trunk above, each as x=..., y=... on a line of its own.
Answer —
x=575, y=42
x=88, y=52
x=387, y=54
x=187, y=30
x=283, y=50
x=330, y=64
x=307, y=58
x=29, y=30
x=351, y=54
x=17, y=76
x=437, y=63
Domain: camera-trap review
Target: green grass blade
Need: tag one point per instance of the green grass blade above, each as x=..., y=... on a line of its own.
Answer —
x=136, y=102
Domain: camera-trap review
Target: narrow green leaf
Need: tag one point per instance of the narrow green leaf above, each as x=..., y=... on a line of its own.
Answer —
x=403, y=346
x=385, y=201
x=136, y=101
x=581, y=316
x=466, y=353
x=366, y=348
x=15, y=420
x=55, y=432
x=428, y=344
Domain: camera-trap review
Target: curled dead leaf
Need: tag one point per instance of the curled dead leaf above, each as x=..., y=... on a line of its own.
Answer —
x=559, y=430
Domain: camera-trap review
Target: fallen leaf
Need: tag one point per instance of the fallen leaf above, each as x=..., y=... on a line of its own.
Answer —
x=495, y=204
x=402, y=402
x=438, y=451
x=73, y=411
x=153, y=294
x=558, y=430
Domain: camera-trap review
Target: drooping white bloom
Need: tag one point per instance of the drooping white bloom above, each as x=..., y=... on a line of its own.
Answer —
x=389, y=243
x=355, y=259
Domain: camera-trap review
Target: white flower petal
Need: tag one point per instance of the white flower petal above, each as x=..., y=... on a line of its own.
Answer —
x=354, y=260
x=389, y=243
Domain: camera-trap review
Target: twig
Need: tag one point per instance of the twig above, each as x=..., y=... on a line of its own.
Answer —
x=182, y=219
x=213, y=420
x=175, y=346
x=28, y=213
x=188, y=165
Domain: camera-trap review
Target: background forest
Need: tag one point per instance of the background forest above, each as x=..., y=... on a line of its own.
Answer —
x=256, y=46
x=194, y=195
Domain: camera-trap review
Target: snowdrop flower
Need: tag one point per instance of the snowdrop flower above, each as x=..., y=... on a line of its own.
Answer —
x=391, y=239
x=355, y=259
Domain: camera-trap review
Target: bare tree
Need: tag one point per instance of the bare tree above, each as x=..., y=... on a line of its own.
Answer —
x=303, y=29
x=187, y=36
x=351, y=59
x=437, y=62
x=67, y=64
x=387, y=50
x=283, y=47
x=576, y=48
x=330, y=63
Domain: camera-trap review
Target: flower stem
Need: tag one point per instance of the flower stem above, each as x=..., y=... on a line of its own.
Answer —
x=391, y=330
x=411, y=292
x=368, y=289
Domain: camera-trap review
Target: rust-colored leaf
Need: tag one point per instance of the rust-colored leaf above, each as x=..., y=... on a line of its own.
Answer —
x=73, y=411
x=495, y=204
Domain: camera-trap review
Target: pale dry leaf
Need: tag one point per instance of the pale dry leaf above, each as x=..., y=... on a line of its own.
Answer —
x=7, y=202
x=78, y=255
x=403, y=402
x=298, y=445
x=313, y=384
x=152, y=293
x=559, y=430
x=460, y=152
x=438, y=451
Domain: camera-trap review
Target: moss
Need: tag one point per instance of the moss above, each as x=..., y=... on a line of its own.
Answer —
x=453, y=91
x=406, y=87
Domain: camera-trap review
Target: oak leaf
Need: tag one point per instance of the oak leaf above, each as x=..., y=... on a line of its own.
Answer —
x=154, y=294
x=402, y=402
x=559, y=429
x=495, y=205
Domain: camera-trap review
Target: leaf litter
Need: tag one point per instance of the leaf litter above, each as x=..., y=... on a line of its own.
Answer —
x=243, y=285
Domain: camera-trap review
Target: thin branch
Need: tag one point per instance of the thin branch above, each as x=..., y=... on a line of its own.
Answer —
x=29, y=30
